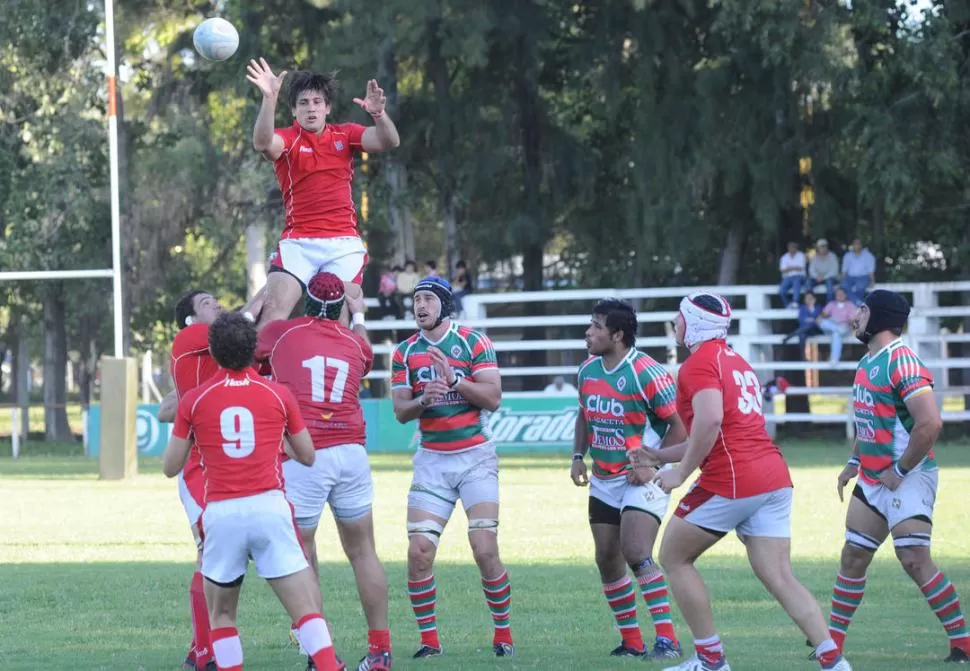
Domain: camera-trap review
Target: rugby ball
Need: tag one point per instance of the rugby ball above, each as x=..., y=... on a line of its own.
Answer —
x=215, y=39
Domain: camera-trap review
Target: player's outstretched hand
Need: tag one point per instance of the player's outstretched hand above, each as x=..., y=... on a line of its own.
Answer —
x=441, y=365
x=847, y=474
x=262, y=77
x=669, y=480
x=374, y=100
x=644, y=457
x=578, y=473
x=641, y=475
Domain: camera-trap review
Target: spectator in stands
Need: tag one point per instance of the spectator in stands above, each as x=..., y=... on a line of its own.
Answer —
x=560, y=387
x=792, y=266
x=809, y=314
x=462, y=285
x=837, y=321
x=407, y=279
x=858, y=272
x=824, y=269
x=431, y=269
x=387, y=294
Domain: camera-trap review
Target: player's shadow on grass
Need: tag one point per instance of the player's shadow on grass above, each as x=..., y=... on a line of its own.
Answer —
x=135, y=616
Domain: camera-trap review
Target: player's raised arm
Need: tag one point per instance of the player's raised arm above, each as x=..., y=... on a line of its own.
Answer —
x=382, y=136
x=265, y=139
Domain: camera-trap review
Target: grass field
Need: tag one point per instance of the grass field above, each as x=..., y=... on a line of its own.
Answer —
x=93, y=575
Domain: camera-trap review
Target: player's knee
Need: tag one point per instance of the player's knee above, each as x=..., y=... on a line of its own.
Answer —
x=912, y=554
x=421, y=554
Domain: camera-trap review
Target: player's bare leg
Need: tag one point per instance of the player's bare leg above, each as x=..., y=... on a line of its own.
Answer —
x=618, y=588
x=299, y=592
x=911, y=540
x=638, y=533
x=357, y=538
x=683, y=543
x=771, y=560
x=483, y=538
x=865, y=530
x=283, y=292
x=424, y=532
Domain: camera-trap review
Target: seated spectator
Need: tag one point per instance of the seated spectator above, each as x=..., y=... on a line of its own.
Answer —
x=462, y=285
x=792, y=266
x=858, y=272
x=837, y=321
x=824, y=269
x=407, y=279
x=560, y=387
x=431, y=269
x=387, y=294
x=809, y=313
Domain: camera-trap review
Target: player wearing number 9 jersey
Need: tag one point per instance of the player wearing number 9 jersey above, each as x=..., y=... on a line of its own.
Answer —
x=744, y=486
x=237, y=421
x=322, y=362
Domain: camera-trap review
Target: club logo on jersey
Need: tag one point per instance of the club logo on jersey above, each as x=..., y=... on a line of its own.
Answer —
x=601, y=405
x=621, y=384
x=455, y=351
x=338, y=145
x=873, y=372
x=427, y=374
x=863, y=396
x=326, y=415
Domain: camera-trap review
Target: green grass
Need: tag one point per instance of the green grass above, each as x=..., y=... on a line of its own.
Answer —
x=93, y=575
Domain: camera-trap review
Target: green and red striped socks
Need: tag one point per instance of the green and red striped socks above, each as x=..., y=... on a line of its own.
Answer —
x=498, y=595
x=654, y=591
x=943, y=599
x=424, y=596
x=846, y=598
x=623, y=602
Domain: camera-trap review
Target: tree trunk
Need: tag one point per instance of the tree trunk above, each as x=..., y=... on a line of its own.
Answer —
x=444, y=132
x=256, y=257
x=125, y=210
x=395, y=172
x=56, y=427
x=727, y=273
x=19, y=369
x=879, y=239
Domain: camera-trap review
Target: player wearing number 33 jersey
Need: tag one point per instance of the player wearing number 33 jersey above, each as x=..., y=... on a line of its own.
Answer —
x=744, y=486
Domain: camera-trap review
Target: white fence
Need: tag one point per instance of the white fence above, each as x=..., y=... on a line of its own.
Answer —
x=757, y=334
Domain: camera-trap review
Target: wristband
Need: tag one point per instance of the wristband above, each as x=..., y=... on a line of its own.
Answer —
x=249, y=317
x=853, y=461
x=359, y=319
x=455, y=383
x=899, y=470
x=577, y=456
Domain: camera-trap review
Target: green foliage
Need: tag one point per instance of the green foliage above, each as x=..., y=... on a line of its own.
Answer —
x=627, y=138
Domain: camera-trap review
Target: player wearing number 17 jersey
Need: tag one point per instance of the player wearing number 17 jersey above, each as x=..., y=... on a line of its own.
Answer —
x=897, y=422
x=446, y=376
x=744, y=486
x=322, y=362
x=237, y=421
x=626, y=402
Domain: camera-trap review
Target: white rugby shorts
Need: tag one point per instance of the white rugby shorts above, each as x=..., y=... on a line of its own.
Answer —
x=259, y=526
x=442, y=478
x=303, y=258
x=340, y=476
x=765, y=515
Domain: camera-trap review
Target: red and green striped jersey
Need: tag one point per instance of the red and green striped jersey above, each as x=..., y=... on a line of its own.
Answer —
x=884, y=382
x=625, y=408
x=451, y=424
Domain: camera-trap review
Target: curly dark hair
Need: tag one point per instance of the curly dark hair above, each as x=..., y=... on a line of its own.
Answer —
x=185, y=307
x=620, y=316
x=232, y=341
x=300, y=82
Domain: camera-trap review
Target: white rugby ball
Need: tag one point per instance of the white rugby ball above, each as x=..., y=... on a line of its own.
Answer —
x=215, y=39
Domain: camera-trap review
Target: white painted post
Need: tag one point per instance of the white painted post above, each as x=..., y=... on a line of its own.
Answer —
x=15, y=431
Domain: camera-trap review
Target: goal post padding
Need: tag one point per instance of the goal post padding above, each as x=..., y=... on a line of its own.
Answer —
x=118, y=458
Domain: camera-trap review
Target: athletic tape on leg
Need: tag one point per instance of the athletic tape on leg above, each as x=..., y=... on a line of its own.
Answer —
x=426, y=528
x=642, y=564
x=861, y=540
x=912, y=541
x=482, y=524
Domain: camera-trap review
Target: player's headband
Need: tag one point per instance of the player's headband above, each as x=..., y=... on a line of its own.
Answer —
x=706, y=317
